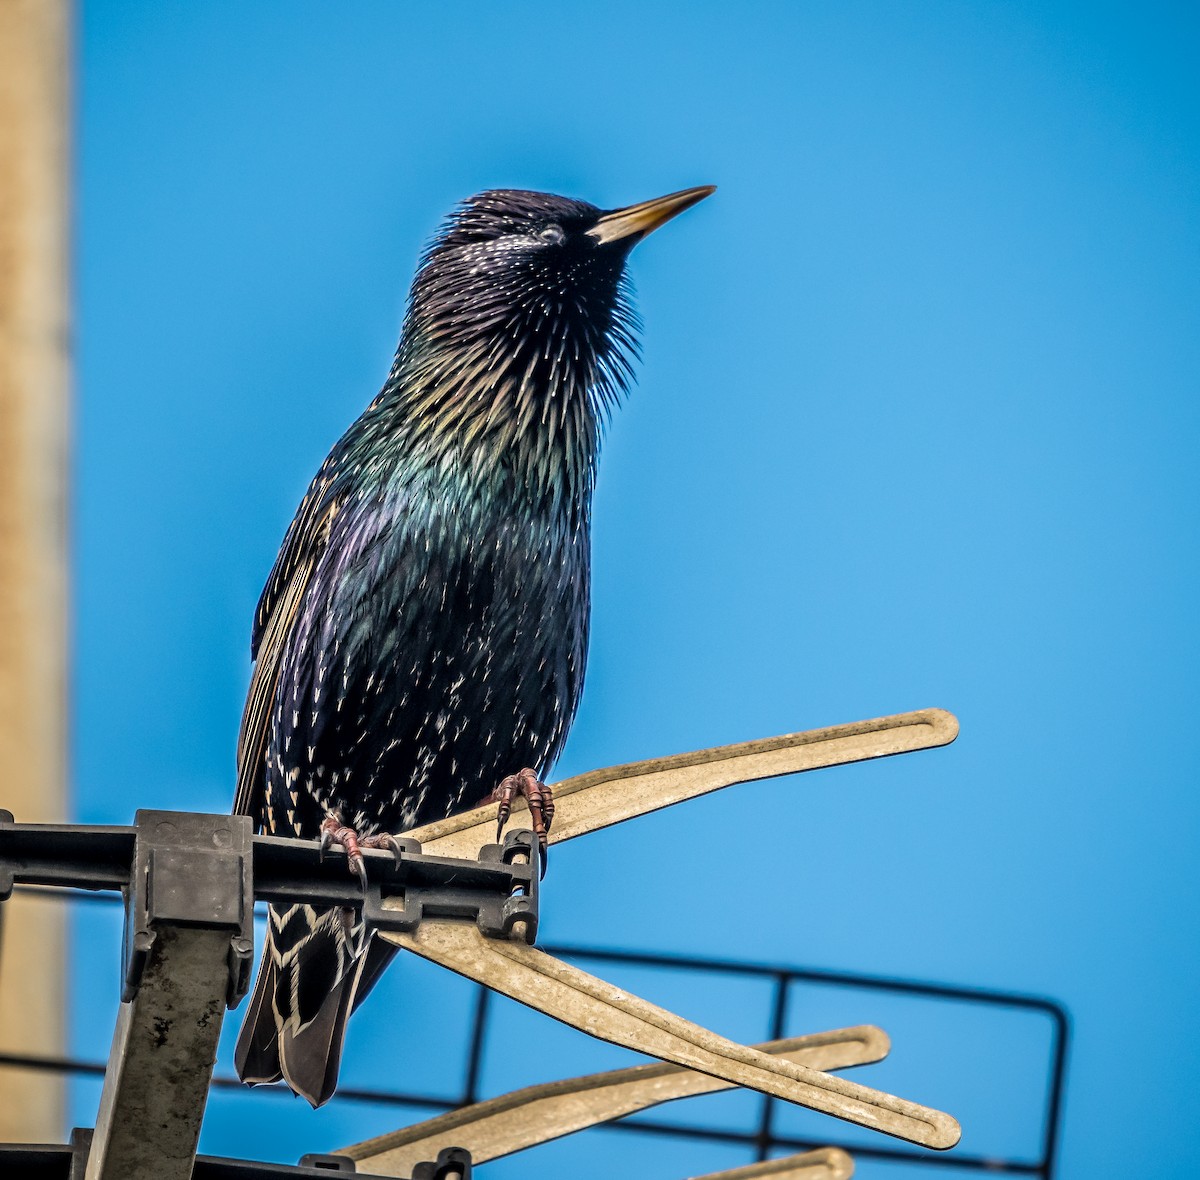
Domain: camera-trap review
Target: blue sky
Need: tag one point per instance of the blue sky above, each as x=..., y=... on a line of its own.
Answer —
x=916, y=425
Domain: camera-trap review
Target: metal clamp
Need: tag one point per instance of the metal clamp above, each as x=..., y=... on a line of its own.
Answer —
x=451, y=1164
x=190, y=870
x=496, y=888
x=508, y=908
x=201, y=871
x=189, y=883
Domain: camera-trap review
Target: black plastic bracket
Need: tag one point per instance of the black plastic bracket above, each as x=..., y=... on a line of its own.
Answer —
x=453, y=1163
x=499, y=893
x=188, y=869
x=69, y=1162
x=327, y=1163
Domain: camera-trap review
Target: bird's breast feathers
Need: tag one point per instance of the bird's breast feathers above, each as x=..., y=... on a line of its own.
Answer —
x=439, y=647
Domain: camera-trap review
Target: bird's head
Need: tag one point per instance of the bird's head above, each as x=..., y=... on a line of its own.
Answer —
x=530, y=275
x=520, y=316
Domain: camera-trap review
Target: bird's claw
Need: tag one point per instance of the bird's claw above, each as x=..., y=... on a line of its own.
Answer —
x=333, y=831
x=384, y=840
x=537, y=795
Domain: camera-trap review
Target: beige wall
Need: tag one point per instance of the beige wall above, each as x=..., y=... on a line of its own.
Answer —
x=34, y=53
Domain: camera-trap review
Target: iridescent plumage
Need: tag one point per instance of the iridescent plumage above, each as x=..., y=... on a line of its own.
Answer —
x=424, y=630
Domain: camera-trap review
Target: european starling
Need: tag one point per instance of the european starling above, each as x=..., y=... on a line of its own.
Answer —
x=421, y=639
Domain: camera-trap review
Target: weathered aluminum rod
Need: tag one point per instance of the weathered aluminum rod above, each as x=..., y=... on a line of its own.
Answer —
x=829, y=1163
x=538, y=1114
x=591, y=1005
x=601, y=798
x=605, y=797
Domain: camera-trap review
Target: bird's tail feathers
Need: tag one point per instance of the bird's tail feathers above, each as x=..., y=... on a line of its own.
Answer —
x=256, y=1056
x=295, y=1025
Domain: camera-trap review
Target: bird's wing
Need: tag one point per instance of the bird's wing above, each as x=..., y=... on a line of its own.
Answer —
x=277, y=607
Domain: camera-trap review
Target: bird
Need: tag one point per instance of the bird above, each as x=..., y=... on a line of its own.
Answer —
x=420, y=644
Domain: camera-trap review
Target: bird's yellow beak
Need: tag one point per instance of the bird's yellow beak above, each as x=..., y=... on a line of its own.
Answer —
x=636, y=221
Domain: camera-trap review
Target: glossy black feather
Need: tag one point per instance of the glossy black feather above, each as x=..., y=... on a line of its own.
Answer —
x=424, y=630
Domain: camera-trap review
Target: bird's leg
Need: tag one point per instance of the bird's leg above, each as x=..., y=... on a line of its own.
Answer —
x=537, y=795
x=334, y=831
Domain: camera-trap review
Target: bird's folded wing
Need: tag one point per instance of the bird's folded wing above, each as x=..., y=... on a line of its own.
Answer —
x=277, y=609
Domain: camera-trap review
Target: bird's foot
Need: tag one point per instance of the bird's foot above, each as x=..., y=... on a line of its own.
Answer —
x=537, y=795
x=335, y=832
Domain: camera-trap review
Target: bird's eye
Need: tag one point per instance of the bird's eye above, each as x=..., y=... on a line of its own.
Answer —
x=551, y=234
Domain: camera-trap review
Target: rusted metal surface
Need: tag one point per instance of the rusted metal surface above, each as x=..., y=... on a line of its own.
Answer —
x=537, y=1114
x=33, y=494
x=600, y=798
